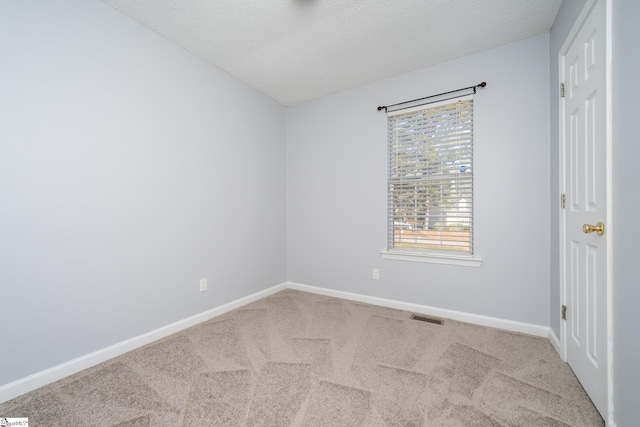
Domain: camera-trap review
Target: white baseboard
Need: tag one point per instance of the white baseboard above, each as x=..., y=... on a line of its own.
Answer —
x=477, y=319
x=555, y=341
x=39, y=379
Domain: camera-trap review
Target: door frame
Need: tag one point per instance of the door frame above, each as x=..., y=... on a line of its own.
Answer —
x=608, y=318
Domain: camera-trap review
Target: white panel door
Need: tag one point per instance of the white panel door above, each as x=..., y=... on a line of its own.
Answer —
x=585, y=180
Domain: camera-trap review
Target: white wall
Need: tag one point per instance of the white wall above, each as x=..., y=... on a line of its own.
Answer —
x=129, y=169
x=626, y=205
x=336, y=188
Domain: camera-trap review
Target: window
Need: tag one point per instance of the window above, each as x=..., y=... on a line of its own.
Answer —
x=430, y=179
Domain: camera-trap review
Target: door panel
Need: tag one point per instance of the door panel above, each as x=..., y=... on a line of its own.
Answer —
x=584, y=123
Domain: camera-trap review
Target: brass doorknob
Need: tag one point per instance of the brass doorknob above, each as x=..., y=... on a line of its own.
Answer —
x=588, y=228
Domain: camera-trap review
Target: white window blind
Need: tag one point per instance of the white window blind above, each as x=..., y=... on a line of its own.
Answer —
x=430, y=181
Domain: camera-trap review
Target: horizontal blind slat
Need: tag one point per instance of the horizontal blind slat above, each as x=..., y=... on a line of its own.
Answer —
x=430, y=178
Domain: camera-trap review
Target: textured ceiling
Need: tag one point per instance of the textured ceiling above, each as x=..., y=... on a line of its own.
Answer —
x=296, y=50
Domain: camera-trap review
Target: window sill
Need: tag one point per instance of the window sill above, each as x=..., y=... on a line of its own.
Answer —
x=433, y=259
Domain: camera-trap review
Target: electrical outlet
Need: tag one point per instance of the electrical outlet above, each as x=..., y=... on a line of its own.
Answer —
x=376, y=274
x=203, y=284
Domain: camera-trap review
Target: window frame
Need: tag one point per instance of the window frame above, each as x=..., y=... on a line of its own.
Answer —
x=425, y=254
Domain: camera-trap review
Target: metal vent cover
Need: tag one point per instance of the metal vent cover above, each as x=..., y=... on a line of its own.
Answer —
x=427, y=319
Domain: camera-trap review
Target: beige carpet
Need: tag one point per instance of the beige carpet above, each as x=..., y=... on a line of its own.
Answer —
x=300, y=359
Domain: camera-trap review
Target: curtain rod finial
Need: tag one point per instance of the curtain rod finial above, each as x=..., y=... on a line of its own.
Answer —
x=483, y=84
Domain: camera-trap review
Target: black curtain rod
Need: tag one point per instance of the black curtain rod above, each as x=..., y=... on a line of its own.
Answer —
x=483, y=84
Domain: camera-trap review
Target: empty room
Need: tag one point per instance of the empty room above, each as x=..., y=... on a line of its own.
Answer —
x=319, y=213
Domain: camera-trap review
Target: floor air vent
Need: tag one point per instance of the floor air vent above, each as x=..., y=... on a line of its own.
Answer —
x=427, y=319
